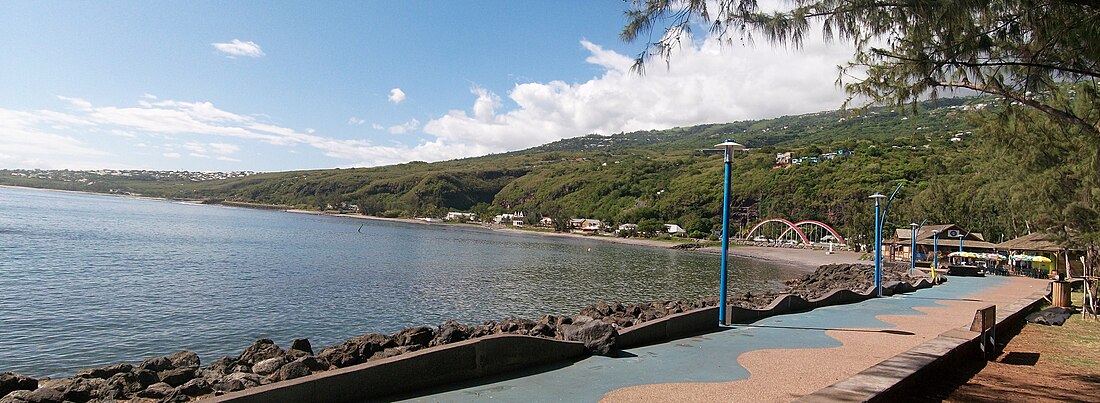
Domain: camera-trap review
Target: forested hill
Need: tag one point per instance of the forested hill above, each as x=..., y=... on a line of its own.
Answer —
x=660, y=175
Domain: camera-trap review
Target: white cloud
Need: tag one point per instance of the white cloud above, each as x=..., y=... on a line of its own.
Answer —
x=356, y=121
x=51, y=139
x=705, y=83
x=406, y=127
x=238, y=48
x=397, y=96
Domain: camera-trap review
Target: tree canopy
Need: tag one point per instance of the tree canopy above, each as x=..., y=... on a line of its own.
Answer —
x=1041, y=58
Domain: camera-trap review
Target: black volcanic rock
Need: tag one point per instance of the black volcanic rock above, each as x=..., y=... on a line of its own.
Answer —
x=598, y=336
x=10, y=382
x=301, y=345
x=261, y=350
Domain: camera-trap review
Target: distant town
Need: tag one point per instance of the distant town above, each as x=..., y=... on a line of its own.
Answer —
x=90, y=177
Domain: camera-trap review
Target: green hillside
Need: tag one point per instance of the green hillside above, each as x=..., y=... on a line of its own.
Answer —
x=666, y=176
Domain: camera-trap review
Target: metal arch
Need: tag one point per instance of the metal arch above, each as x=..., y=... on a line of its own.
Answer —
x=784, y=221
x=839, y=238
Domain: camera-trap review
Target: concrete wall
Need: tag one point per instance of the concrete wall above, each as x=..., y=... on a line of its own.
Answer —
x=441, y=365
x=502, y=353
x=706, y=320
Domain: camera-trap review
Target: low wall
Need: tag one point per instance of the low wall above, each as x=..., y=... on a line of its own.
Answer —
x=441, y=365
x=502, y=353
x=892, y=379
x=706, y=320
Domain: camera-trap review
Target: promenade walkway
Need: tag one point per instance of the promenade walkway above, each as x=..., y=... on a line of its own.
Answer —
x=776, y=359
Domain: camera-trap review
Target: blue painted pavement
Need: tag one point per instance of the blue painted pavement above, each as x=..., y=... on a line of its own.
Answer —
x=707, y=358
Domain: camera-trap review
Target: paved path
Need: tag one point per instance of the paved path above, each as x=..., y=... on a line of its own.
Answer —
x=787, y=356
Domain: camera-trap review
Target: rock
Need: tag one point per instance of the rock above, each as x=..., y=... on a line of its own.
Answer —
x=598, y=337
x=269, y=366
x=291, y=370
x=292, y=355
x=228, y=385
x=46, y=395
x=104, y=372
x=75, y=389
x=184, y=359
x=196, y=387
x=146, y=377
x=414, y=336
x=176, y=376
x=312, y=363
x=222, y=366
x=156, y=364
x=17, y=396
x=10, y=382
x=301, y=345
x=261, y=350
x=451, y=332
x=156, y=391
x=247, y=379
x=124, y=384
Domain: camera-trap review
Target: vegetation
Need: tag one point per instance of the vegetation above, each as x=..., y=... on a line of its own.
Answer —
x=1039, y=58
x=651, y=178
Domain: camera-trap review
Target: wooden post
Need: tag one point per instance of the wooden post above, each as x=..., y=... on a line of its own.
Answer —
x=985, y=322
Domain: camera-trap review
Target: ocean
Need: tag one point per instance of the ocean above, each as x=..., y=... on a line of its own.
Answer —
x=90, y=280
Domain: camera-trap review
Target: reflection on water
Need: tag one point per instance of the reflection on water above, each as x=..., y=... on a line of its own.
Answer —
x=87, y=280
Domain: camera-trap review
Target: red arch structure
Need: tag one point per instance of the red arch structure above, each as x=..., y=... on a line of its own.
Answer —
x=780, y=220
x=832, y=231
x=793, y=226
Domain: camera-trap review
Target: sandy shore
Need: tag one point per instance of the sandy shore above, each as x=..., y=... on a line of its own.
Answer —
x=799, y=258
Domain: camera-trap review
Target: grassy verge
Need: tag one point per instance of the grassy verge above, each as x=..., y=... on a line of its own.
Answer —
x=1077, y=342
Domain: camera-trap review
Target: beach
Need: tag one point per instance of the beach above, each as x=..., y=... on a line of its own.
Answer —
x=803, y=259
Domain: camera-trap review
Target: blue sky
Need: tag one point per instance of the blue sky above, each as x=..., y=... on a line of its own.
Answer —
x=274, y=86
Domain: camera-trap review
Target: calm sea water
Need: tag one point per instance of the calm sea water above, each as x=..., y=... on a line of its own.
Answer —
x=89, y=280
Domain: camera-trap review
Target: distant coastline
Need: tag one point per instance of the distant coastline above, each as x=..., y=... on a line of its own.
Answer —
x=803, y=259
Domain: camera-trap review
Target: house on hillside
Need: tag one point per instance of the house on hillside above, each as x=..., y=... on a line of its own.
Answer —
x=783, y=159
x=509, y=218
x=546, y=222
x=675, y=229
x=586, y=224
x=459, y=216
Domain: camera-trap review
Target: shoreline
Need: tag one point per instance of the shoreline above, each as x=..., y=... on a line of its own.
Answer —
x=803, y=259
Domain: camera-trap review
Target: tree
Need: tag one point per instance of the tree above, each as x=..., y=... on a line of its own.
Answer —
x=1040, y=57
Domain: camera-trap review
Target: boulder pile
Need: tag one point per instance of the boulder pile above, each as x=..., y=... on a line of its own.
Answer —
x=179, y=377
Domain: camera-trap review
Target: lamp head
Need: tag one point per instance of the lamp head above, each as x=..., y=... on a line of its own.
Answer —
x=729, y=147
x=877, y=196
x=914, y=225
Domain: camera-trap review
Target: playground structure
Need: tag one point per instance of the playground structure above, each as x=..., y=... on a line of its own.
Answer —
x=802, y=234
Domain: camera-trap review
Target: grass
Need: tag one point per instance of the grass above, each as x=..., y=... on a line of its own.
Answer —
x=1077, y=342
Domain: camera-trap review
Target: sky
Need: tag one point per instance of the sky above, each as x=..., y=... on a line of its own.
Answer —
x=278, y=86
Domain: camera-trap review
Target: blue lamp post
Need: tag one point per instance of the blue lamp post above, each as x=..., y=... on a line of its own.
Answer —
x=961, y=237
x=935, y=250
x=728, y=147
x=878, y=242
x=913, y=247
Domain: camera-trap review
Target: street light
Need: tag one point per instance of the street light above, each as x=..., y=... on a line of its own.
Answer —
x=913, y=247
x=935, y=252
x=728, y=147
x=878, y=243
x=961, y=241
